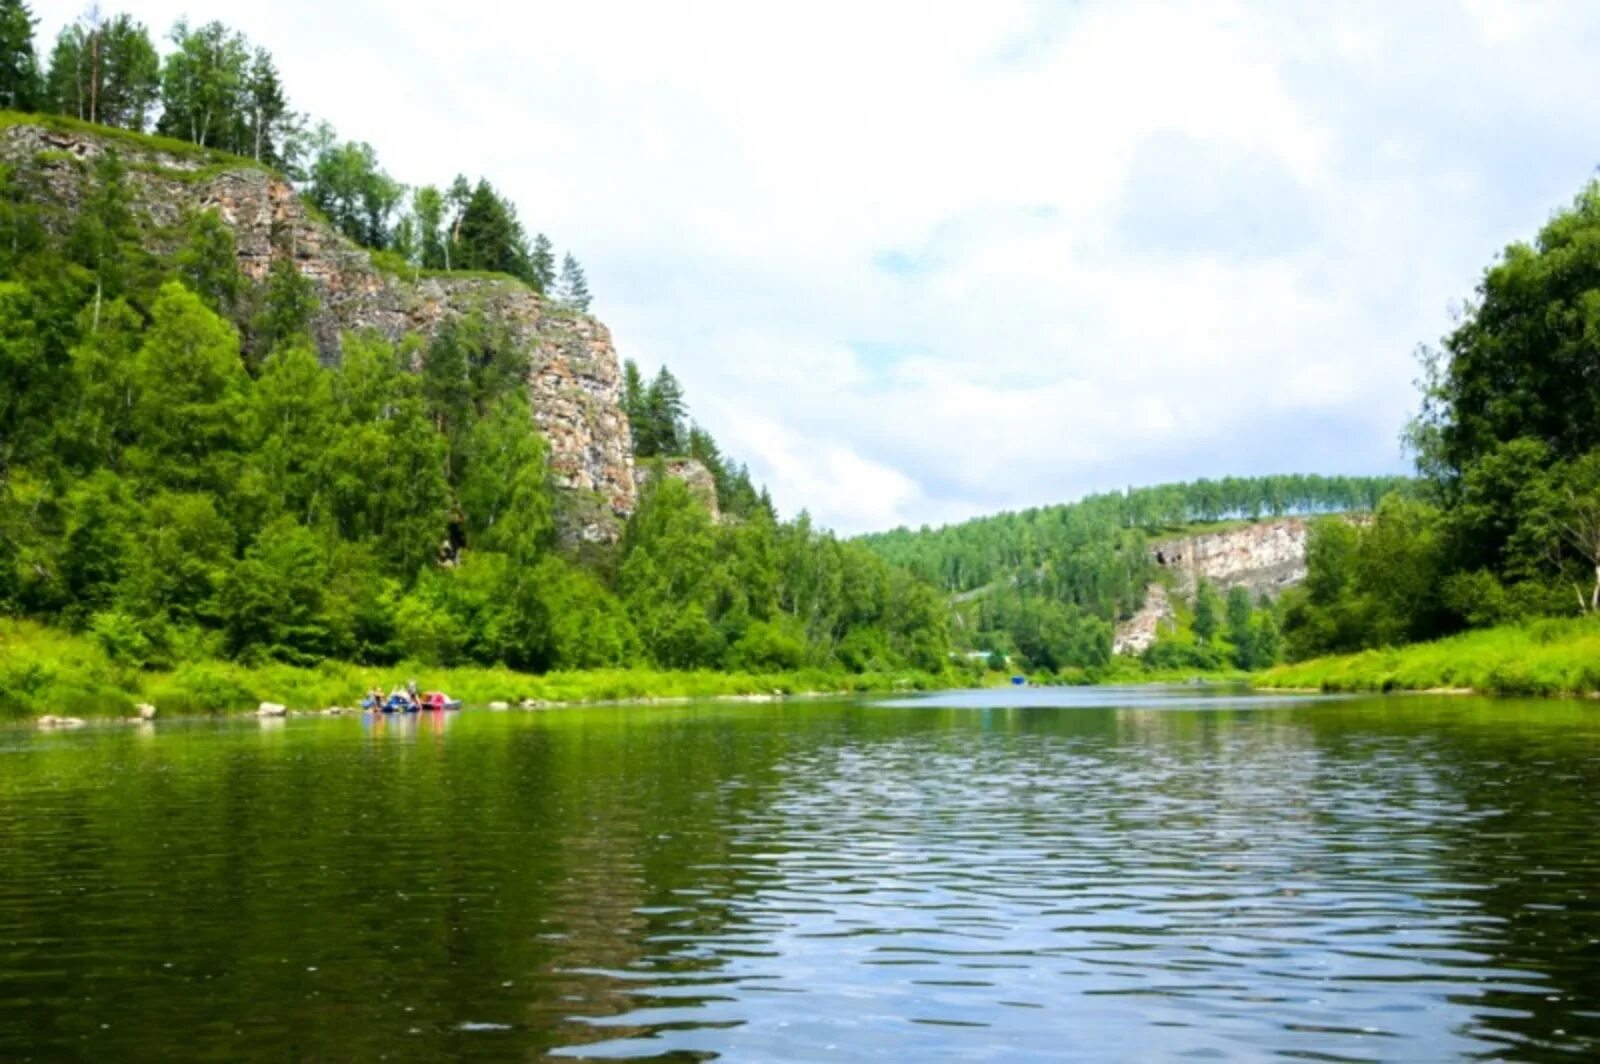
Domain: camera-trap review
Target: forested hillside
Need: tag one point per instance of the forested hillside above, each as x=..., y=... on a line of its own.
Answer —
x=182, y=477
x=1051, y=583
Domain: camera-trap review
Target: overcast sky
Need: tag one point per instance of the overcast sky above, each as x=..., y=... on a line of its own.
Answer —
x=919, y=261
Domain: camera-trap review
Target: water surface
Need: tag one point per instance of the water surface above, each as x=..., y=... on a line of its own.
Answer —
x=1106, y=874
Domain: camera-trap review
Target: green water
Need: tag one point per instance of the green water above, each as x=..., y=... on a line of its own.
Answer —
x=1092, y=875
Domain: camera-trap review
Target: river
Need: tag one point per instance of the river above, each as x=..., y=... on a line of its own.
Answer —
x=1103, y=874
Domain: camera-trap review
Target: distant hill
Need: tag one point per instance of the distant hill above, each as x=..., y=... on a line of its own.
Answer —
x=1052, y=583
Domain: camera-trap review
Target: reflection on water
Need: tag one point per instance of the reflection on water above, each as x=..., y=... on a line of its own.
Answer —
x=1006, y=876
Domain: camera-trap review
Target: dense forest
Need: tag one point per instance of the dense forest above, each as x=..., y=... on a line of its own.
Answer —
x=1048, y=584
x=213, y=88
x=1504, y=525
x=182, y=479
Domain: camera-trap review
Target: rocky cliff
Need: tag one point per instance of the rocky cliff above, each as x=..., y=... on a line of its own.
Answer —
x=1264, y=557
x=694, y=475
x=574, y=386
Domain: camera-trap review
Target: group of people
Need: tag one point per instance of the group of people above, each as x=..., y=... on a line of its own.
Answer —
x=406, y=695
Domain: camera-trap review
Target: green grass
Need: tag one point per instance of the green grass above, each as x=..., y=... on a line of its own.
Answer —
x=1547, y=657
x=47, y=671
x=129, y=139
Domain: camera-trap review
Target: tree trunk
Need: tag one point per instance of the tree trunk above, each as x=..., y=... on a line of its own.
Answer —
x=94, y=76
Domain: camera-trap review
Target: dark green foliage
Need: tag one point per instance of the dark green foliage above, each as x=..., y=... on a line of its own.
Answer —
x=573, y=287
x=19, y=65
x=207, y=262
x=1508, y=439
x=655, y=413
x=182, y=478
x=350, y=188
x=106, y=72
x=542, y=264
x=288, y=306
x=1206, y=606
x=488, y=236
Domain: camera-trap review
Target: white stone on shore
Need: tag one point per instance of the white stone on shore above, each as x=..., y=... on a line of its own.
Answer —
x=272, y=709
x=146, y=711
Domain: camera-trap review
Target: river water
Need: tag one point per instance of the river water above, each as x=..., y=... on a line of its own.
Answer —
x=1106, y=874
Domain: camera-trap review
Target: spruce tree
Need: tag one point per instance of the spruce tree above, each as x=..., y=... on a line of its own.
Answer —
x=543, y=263
x=574, y=287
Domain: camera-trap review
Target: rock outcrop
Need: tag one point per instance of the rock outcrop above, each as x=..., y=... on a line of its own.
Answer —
x=692, y=472
x=1137, y=633
x=1265, y=557
x=574, y=385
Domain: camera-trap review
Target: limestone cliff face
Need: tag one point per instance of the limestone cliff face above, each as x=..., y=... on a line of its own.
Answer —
x=1265, y=557
x=574, y=386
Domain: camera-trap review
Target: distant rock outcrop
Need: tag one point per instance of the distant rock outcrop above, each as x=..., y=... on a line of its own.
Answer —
x=574, y=385
x=1264, y=557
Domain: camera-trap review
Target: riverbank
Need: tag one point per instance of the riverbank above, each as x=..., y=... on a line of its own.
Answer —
x=44, y=671
x=1545, y=658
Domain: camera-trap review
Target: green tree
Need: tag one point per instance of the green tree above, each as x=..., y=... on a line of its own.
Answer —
x=202, y=85
x=189, y=384
x=289, y=305
x=542, y=264
x=488, y=235
x=505, y=490
x=428, y=207
x=208, y=263
x=1205, y=611
x=271, y=601
x=268, y=124
x=19, y=66
x=658, y=430
x=104, y=236
x=1241, y=627
x=349, y=186
x=105, y=71
x=572, y=289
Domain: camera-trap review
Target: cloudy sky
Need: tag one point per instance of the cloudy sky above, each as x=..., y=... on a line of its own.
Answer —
x=919, y=261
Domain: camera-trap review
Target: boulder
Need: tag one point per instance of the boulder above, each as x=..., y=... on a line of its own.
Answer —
x=499, y=705
x=146, y=711
x=272, y=709
x=48, y=721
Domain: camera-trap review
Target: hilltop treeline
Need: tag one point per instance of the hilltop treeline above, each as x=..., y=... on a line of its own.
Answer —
x=1506, y=524
x=182, y=479
x=215, y=89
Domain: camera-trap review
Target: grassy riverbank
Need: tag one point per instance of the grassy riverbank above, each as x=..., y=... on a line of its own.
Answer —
x=1548, y=657
x=47, y=671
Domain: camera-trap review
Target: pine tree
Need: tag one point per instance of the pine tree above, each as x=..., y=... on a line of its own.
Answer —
x=19, y=66
x=663, y=417
x=573, y=289
x=633, y=391
x=543, y=263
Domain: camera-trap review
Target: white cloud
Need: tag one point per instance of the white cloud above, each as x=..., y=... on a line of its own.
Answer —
x=914, y=261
